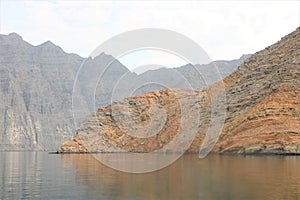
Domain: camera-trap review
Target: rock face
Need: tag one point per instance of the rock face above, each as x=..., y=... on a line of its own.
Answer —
x=264, y=101
x=32, y=80
x=124, y=125
x=262, y=111
x=36, y=84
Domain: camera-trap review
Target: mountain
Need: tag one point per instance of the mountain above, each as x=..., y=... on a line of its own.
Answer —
x=263, y=102
x=36, y=84
x=36, y=90
x=262, y=112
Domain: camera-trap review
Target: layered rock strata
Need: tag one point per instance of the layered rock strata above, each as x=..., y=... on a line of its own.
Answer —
x=262, y=110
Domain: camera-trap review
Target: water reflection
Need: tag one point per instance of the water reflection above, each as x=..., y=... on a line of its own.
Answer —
x=215, y=177
x=36, y=175
x=32, y=175
x=19, y=172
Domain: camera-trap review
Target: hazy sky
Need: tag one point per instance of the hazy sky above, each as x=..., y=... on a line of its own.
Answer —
x=225, y=29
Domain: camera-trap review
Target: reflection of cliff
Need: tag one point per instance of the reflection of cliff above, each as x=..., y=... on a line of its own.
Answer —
x=17, y=171
x=215, y=177
x=262, y=110
x=36, y=175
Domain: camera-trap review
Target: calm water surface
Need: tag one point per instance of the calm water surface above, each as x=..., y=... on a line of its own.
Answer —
x=36, y=175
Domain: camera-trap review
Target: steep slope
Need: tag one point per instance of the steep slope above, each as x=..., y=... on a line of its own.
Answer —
x=262, y=104
x=36, y=84
x=35, y=90
x=270, y=126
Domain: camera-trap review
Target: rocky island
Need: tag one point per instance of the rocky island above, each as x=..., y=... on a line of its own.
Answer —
x=262, y=110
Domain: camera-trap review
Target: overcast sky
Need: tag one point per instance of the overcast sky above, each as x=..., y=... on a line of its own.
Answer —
x=224, y=29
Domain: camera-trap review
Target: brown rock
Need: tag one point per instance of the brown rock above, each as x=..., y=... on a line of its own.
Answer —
x=263, y=110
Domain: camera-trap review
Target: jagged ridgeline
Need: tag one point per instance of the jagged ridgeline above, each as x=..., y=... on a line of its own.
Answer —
x=262, y=110
x=36, y=84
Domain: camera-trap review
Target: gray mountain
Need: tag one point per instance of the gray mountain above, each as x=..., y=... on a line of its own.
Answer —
x=36, y=88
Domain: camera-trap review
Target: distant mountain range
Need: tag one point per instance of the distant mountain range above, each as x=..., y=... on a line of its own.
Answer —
x=36, y=84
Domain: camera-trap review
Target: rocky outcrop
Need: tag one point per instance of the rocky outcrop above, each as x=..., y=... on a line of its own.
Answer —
x=262, y=111
x=124, y=125
x=36, y=84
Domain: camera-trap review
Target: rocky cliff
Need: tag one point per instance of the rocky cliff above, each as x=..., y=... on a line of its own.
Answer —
x=32, y=80
x=262, y=111
x=36, y=84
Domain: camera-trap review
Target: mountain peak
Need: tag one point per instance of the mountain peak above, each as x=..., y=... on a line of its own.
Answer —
x=50, y=46
x=48, y=43
x=15, y=36
x=11, y=38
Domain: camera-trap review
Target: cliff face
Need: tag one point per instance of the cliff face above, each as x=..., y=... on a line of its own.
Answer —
x=36, y=84
x=35, y=89
x=264, y=101
x=262, y=110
